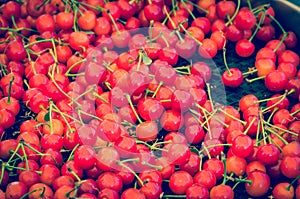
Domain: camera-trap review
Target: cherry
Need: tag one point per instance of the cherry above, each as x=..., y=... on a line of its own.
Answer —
x=197, y=191
x=289, y=166
x=29, y=178
x=7, y=118
x=147, y=131
x=180, y=181
x=15, y=190
x=62, y=181
x=109, y=130
x=202, y=69
x=244, y=48
x=233, y=77
x=110, y=180
x=288, y=68
x=265, y=33
x=40, y=189
x=225, y=9
x=169, y=55
x=273, y=44
x=15, y=51
x=192, y=166
x=260, y=183
x=242, y=146
x=216, y=166
x=45, y=23
x=290, y=40
x=205, y=178
x=221, y=191
x=264, y=66
x=84, y=157
x=106, y=158
x=10, y=9
x=246, y=101
x=175, y=137
x=171, y=120
x=268, y=154
x=186, y=48
x=79, y=40
x=178, y=154
x=133, y=193
x=153, y=12
x=276, y=81
x=151, y=190
x=233, y=33
x=203, y=23
x=283, y=190
x=108, y=193
x=208, y=49
x=60, y=193
x=290, y=57
x=245, y=19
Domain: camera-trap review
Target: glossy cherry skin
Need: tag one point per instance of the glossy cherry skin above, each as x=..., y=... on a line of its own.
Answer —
x=245, y=19
x=289, y=166
x=221, y=191
x=110, y=180
x=283, y=190
x=180, y=181
x=15, y=190
x=171, y=120
x=205, y=178
x=151, y=190
x=132, y=193
x=242, y=146
x=234, y=78
x=260, y=183
x=244, y=48
x=276, y=81
x=291, y=40
x=197, y=191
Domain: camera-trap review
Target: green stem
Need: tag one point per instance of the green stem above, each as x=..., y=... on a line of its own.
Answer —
x=133, y=109
x=12, y=78
x=235, y=13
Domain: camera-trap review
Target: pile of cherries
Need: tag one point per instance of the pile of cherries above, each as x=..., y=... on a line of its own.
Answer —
x=115, y=99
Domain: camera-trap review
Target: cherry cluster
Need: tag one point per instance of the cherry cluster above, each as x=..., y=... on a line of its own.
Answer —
x=115, y=99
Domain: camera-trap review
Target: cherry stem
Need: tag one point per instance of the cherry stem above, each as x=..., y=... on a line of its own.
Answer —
x=206, y=150
x=255, y=79
x=271, y=115
x=85, y=92
x=209, y=96
x=131, y=160
x=249, y=4
x=173, y=196
x=232, y=117
x=157, y=89
x=35, y=190
x=282, y=29
x=291, y=184
x=190, y=34
x=73, y=66
x=188, y=9
x=258, y=25
x=72, y=152
x=100, y=97
x=74, y=174
x=295, y=112
x=198, y=7
x=251, y=71
x=113, y=21
x=224, y=56
x=281, y=129
x=248, y=128
x=225, y=172
x=129, y=169
x=235, y=13
x=14, y=153
x=152, y=165
x=282, y=97
x=133, y=109
x=12, y=78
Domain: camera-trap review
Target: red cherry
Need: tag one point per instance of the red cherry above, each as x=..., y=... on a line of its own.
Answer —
x=232, y=78
x=244, y=48
x=221, y=191
x=260, y=183
x=205, y=178
x=110, y=180
x=242, y=146
x=171, y=120
x=268, y=154
x=197, y=191
x=245, y=19
x=180, y=181
x=225, y=9
x=276, y=81
x=132, y=193
x=290, y=166
x=291, y=39
x=85, y=157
